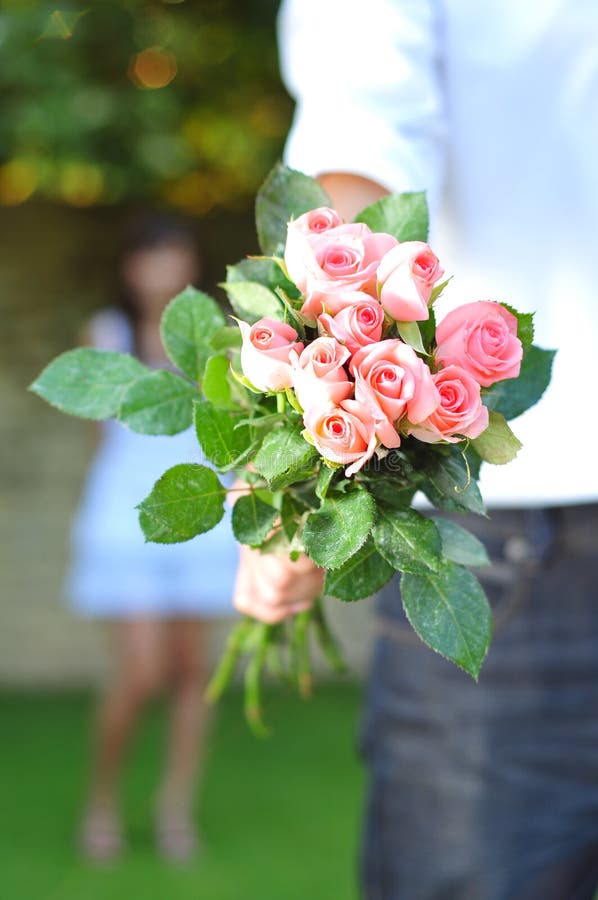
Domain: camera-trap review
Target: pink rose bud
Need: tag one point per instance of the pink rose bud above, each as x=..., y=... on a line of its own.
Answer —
x=460, y=412
x=318, y=374
x=406, y=277
x=342, y=434
x=265, y=353
x=316, y=221
x=392, y=382
x=482, y=338
x=355, y=326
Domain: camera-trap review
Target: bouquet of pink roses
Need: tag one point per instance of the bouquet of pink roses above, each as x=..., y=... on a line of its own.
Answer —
x=335, y=397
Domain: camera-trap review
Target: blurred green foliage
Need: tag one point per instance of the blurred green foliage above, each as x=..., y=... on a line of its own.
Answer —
x=115, y=100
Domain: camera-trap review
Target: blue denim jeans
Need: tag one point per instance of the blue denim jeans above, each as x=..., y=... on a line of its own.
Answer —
x=489, y=791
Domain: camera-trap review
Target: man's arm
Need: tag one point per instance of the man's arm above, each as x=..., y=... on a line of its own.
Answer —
x=350, y=193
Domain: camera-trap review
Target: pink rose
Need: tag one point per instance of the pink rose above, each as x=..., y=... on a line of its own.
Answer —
x=298, y=252
x=342, y=434
x=348, y=259
x=460, y=411
x=300, y=248
x=392, y=382
x=356, y=325
x=318, y=375
x=406, y=277
x=332, y=303
x=265, y=353
x=342, y=258
x=482, y=338
x=316, y=221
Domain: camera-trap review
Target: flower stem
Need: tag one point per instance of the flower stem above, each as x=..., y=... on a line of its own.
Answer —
x=275, y=661
x=227, y=665
x=281, y=402
x=264, y=647
x=303, y=660
x=253, y=672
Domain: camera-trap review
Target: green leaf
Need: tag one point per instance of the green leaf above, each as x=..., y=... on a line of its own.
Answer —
x=325, y=476
x=264, y=270
x=450, y=486
x=295, y=317
x=405, y=216
x=244, y=382
x=292, y=509
x=87, y=382
x=216, y=386
x=285, y=194
x=188, y=324
x=515, y=395
x=387, y=492
x=187, y=500
x=497, y=444
x=410, y=333
x=155, y=531
x=252, y=301
x=284, y=457
x=407, y=540
x=427, y=329
x=437, y=291
x=362, y=575
x=223, y=440
x=460, y=545
x=252, y=519
x=253, y=268
x=338, y=528
x=226, y=338
x=473, y=461
x=525, y=325
x=449, y=611
x=158, y=403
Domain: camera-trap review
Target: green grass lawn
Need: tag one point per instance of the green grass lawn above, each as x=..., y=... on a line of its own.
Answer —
x=279, y=818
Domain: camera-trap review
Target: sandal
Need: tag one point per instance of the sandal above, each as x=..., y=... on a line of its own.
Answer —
x=176, y=836
x=100, y=838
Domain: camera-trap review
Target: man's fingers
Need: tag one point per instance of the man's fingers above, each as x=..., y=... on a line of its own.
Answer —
x=272, y=588
x=271, y=614
x=301, y=607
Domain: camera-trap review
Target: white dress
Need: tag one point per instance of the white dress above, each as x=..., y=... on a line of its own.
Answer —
x=114, y=573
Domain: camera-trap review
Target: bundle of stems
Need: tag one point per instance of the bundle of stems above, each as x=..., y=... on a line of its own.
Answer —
x=283, y=649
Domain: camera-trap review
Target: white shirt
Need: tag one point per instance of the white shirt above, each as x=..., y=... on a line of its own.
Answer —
x=493, y=109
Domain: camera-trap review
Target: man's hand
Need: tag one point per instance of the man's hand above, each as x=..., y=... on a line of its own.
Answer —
x=272, y=588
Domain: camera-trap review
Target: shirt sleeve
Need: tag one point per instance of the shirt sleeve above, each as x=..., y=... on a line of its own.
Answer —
x=365, y=75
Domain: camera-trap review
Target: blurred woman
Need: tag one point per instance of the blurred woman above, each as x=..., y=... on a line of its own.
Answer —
x=154, y=596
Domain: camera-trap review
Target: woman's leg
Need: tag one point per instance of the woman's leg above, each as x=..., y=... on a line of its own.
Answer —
x=139, y=674
x=187, y=673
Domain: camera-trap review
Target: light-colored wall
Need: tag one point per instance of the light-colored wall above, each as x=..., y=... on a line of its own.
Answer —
x=50, y=278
